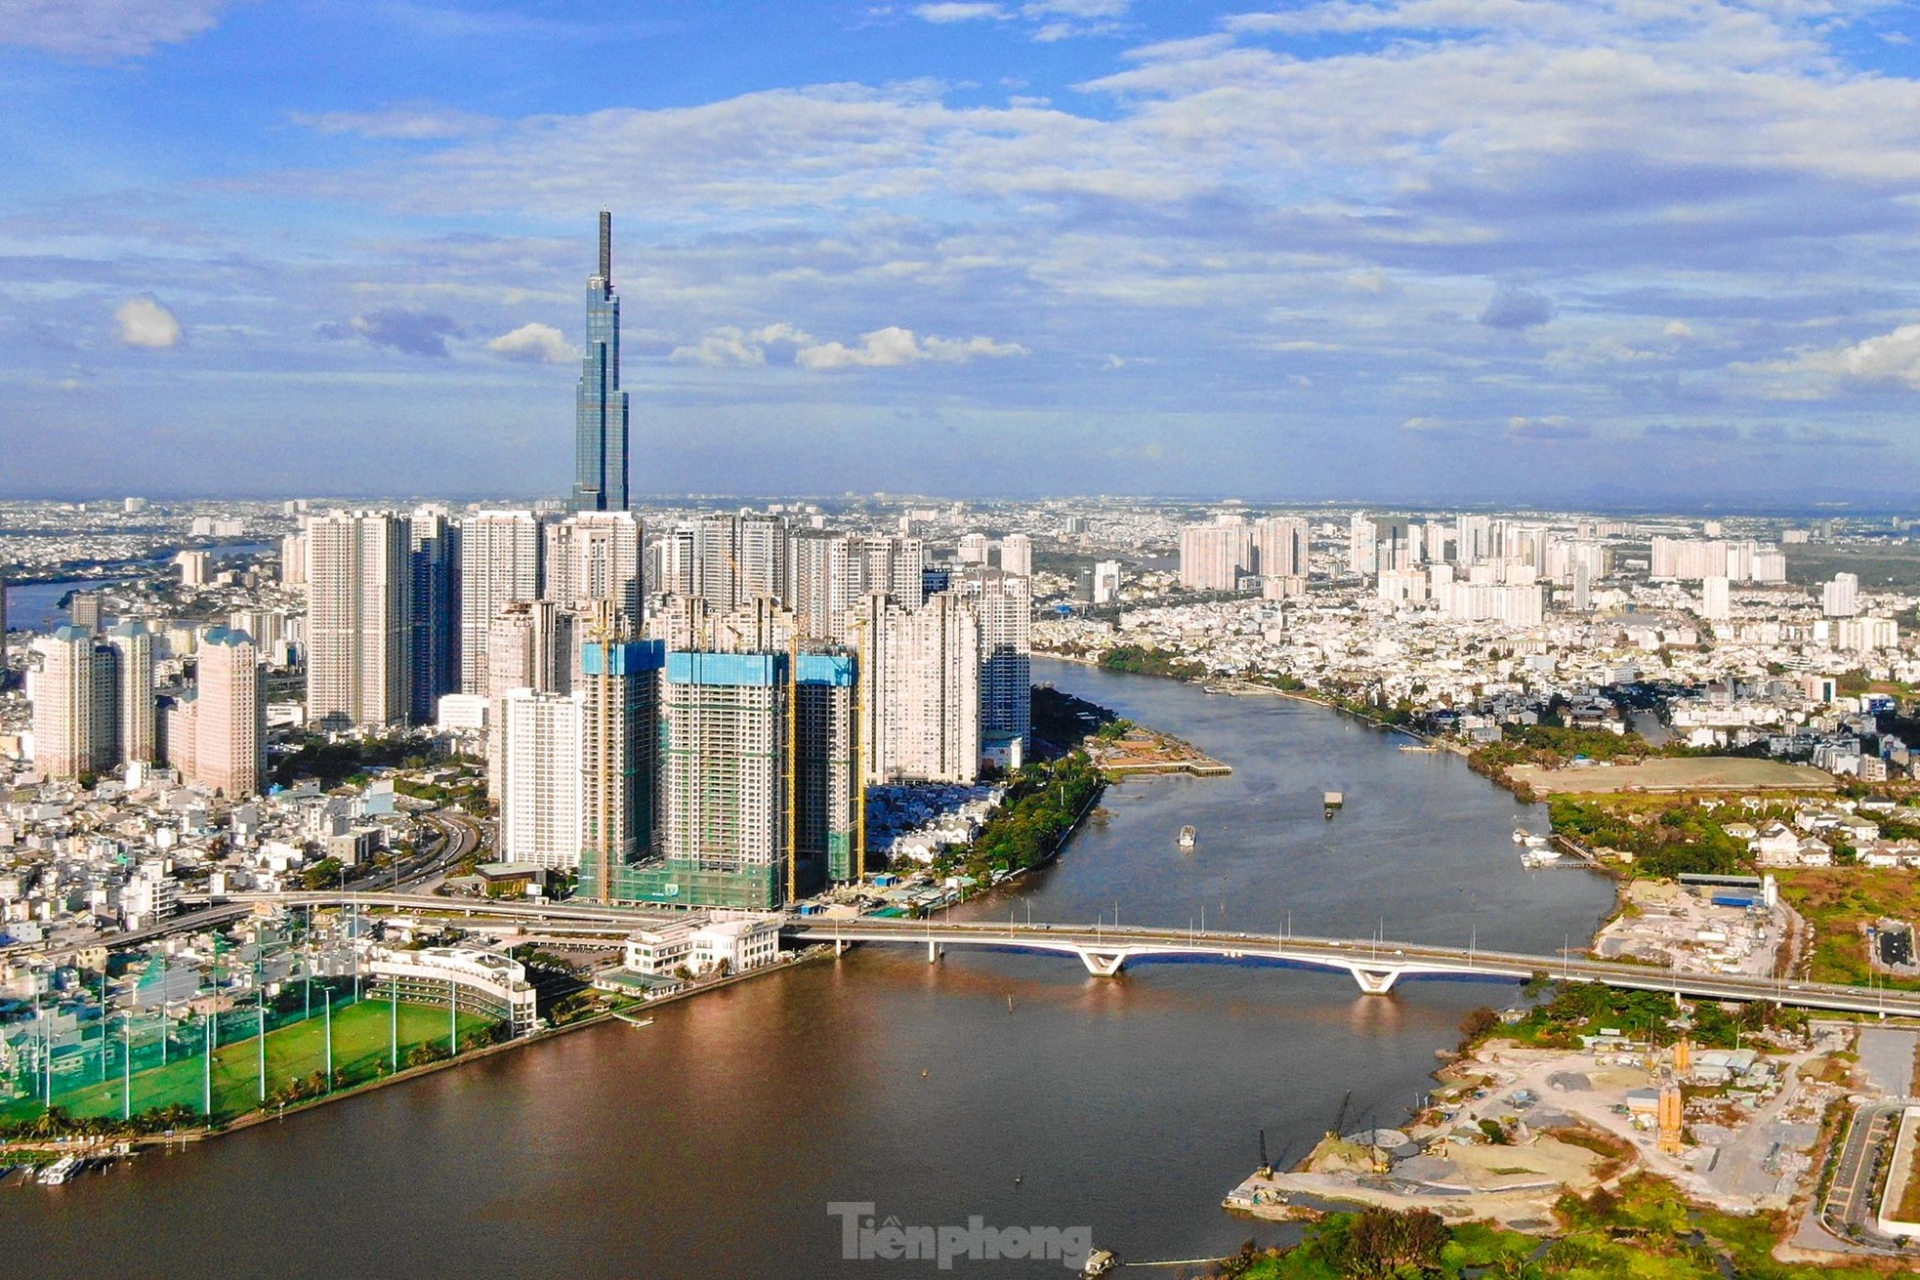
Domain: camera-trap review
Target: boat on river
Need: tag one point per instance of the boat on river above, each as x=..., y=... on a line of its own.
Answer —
x=59, y=1171
x=1332, y=800
x=1188, y=838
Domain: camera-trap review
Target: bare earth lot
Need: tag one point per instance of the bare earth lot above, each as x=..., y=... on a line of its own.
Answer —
x=1687, y=774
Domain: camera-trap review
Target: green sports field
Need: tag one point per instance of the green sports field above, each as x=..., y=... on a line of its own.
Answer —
x=361, y=1051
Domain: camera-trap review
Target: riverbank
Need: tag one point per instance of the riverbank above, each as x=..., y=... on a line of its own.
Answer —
x=54, y=1145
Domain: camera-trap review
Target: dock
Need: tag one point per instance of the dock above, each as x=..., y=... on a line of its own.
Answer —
x=1146, y=751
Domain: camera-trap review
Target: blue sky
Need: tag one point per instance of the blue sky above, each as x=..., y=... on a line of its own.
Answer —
x=1607, y=252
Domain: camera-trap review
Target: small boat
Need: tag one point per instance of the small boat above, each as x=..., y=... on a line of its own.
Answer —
x=634, y=1022
x=59, y=1171
x=1332, y=800
x=1099, y=1262
x=1540, y=857
x=1420, y=748
x=1188, y=837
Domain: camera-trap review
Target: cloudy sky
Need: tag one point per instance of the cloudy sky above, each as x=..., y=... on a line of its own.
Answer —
x=1605, y=252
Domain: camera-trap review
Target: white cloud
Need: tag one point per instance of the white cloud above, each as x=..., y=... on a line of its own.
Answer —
x=1678, y=329
x=893, y=346
x=731, y=346
x=955, y=11
x=416, y=124
x=534, y=344
x=143, y=322
x=98, y=29
x=1889, y=359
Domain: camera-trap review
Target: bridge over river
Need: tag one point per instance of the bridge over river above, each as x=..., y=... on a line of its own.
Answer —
x=1377, y=965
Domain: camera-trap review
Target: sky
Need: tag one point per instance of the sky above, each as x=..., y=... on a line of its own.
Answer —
x=1600, y=253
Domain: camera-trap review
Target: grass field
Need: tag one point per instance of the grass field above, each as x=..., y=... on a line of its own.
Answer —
x=1836, y=901
x=1709, y=773
x=360, y=1051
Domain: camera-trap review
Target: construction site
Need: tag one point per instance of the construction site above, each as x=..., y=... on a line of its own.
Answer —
x=1512, y=1128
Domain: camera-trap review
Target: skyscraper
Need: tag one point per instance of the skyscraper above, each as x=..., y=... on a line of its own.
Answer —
x=619, y=694
x=435, y=612
x=359, y=590
x=600, y=406
x=541, y=788
x=723, y=790
x=499, y=565
x=133, y=736
x=62, y=693
x=229, y=715
x=595, y=556
x=921, y=713
x=1004, y=605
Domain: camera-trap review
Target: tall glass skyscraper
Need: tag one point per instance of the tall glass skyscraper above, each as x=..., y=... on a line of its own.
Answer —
x=600, y=406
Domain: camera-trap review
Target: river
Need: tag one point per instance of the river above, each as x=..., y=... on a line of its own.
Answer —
x=35, y=606
x=712, y=1142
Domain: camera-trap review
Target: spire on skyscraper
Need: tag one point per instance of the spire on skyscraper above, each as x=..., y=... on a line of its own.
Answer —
x=606, y=246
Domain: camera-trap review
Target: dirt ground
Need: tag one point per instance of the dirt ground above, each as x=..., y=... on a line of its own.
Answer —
x=1686, y=774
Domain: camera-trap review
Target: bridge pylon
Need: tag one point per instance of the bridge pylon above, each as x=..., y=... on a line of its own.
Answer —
x=1102, y=964
x=1375, y=982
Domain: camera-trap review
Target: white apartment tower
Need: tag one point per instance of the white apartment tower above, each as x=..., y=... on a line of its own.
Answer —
x=1841, y=597
x=1016, y=554
x=62, y=692
x=133, y=736
x=499, y=565
x=542, y=782
x=920, y=716
x=1716, y=599
x=229, y=715
x=595, y=555
x=359, y=576
x=1212, y=555
x=1003, y=604
x=1279, y=547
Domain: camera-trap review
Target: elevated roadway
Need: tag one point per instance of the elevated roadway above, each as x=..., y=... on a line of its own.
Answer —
x=1376, y=966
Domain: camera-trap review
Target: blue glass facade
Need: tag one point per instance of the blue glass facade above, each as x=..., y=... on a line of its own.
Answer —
x=600, y=406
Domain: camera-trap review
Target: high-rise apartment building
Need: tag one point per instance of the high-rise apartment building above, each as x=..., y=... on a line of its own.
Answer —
x=133, y=737
x=1213, y=555
x=1016, y=554
x=1106, y=582
x=103, y=738
x=229, y=715
x=821, y=580
x=62, y=690
x=1716, y=599
x=293, y=560
x=920, y=716
x=529, y=646
x=761, y=554
x=499, y=565
x=195, y=568
x=825, y=772
x=83, y=607
x=619, y=694
x=600, y=406
x=594, y=556
x=359, y=590
x=1003, y=604
x=542, y=783
x=435, y=612
x=1841, y=597
x=723, y=786
x=973, y=548
x=1279, y=548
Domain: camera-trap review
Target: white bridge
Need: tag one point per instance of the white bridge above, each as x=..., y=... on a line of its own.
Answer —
x=1105, y=950
x=1376, y=965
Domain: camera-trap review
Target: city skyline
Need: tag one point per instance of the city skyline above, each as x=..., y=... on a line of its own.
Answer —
x=1368, y=252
